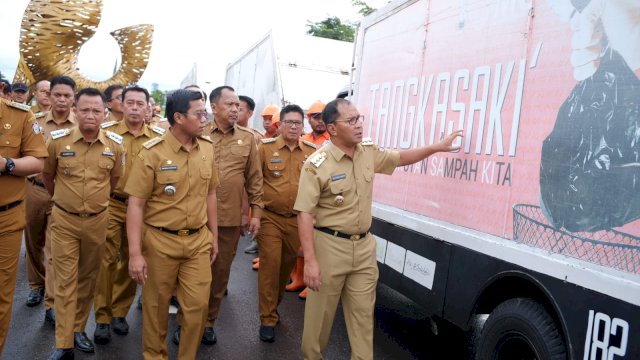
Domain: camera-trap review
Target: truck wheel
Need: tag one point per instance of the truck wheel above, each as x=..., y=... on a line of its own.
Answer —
x=520, y=329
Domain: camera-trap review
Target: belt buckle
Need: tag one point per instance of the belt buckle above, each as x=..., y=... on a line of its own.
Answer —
x=355, y=237
x=183, y=232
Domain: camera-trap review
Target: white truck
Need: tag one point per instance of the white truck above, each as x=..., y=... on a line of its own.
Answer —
x=287, y=69
x=531, y=230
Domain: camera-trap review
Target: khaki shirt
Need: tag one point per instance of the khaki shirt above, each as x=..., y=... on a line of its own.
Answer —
x=337, y=189
x=159, y=122
x=47, y=125
x=19, y=137
x=163, y=164
x=82, y=170
x=111, y=117
x=38, y=112
x=132, y=145
x=281, y=172
x=238, y=168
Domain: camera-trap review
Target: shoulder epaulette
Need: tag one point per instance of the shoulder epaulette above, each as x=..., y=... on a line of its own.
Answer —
x=157, y=129
x=318, y=159
x=16, y=105
x=206, y=138
x=268, y=140
x=153, y=142
x=108, y=124
x=115, y=137
x=367, y=142
x=56, y=134
x=309, y=143
x=40, y=114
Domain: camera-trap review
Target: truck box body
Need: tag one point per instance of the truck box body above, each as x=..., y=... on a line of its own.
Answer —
x=542, y=201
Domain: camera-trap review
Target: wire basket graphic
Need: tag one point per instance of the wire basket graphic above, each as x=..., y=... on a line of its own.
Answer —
x=610, y=248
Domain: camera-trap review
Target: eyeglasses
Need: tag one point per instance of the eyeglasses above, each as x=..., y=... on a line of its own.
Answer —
x=119, y=97
x=316, y=116
x=352, y=121
x=292, y=123
x=199, y=115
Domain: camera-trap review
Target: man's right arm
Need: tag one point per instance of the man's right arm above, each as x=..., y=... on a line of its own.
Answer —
x=137, y=264
x=312, y=276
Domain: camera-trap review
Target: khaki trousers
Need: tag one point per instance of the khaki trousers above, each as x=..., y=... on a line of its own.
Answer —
x=182, y=261
x=278, y=243
x=11, y=224
x=77, y=245
x=115, y=290
x=349, y=271
x=50, y=272
x=38, y=208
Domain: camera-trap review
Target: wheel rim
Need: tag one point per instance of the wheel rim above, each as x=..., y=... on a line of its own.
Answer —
x=515, y=347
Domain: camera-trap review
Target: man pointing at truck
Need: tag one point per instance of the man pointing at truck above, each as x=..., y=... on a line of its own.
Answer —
x=335, y=191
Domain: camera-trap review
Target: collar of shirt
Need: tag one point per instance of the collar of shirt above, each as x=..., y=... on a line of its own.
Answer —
x=71, y=118
x=76, y=136
x=339, y=154
x=175, y=144
x=215, y=127
x=122, y=128
x=280, y=143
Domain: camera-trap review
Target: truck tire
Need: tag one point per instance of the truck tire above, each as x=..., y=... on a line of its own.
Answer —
x=521, y=329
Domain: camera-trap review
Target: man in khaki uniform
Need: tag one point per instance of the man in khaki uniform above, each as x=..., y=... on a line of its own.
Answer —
x=21, y=152
x=238, y=168
x=115, y=290
x=282, y=158
x=83, y=167
x=42, y=95
x=340, y=254
x=38, y=201
x=172, y=190
x=113, y=94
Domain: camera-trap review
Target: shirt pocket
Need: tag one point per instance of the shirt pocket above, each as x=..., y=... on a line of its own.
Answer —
x=106, y=163
x=239, y=150
x=166, y=180
x=10, y=146
x=340, y=187
x=275, y=170
x=205, y=176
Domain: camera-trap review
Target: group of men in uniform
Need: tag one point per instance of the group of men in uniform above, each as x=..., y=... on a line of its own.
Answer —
x=169, y=213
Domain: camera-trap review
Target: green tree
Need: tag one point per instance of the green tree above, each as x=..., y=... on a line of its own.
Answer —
x=159, y=97
x=365, y=9
x=332, y=28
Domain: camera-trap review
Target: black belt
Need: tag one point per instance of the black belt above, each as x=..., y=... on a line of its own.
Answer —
x=82, y=215
x=287, y=215
x=10, y=206
x=184, y=232
x=35, y=182
x=122, y=199
x=332, y=232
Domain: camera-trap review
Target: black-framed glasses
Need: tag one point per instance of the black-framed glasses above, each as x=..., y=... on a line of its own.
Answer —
x=292, y=123
x=199, y=114
x=353, y=120
x=119, y=97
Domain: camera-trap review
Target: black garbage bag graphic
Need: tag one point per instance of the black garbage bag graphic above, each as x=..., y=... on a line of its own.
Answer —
x=590, y=165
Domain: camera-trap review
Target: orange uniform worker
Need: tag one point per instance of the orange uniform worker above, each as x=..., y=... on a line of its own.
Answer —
x=38, y=201
x=270, y=117
x=21, y=152
x=282, y=158
x=238, y=168
x=115, y=290
x=334, y=204
x=172, y=197
x=83, y=167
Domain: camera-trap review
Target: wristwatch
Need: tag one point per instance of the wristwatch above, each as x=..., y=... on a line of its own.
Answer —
x=10, y=166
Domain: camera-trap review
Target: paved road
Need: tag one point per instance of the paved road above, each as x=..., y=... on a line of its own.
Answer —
x=401, y=332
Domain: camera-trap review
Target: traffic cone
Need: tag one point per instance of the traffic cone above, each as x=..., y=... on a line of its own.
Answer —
x=303, y=294
x=297, y=276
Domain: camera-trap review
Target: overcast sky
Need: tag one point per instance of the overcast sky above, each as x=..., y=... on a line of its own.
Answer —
x=211, y=33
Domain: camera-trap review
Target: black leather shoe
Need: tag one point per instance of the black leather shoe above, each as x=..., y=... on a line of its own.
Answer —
x=120, y=325
x=35, y=297
x=62, y=354
x=102, y=335
x=209, y=336
x=176, y=336
x=267, y=333
x=50, y=316
x=82, y=342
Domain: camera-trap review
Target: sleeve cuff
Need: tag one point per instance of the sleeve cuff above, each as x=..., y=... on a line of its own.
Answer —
x=256, y=211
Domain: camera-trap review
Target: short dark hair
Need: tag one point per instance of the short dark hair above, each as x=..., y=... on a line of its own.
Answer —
x=179, y=102
x=217, y=92
x=135, y=88
x=249, y=101
x=289, y=109
x=63, y=80
x=330, y=113
x=108, y=92
x=90, y=92
x=7, y=86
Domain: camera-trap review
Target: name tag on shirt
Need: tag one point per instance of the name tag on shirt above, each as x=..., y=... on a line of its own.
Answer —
x=168, y=167
x=338, y=177
x=68, y=153
x=107, y=154
x=276, y=160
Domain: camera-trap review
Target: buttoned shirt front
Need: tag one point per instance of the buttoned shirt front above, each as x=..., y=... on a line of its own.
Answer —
x=83, y=170
x=238, y=167
x=337, y=189
x=175, y=182
x=48, y=124
x=281, y=168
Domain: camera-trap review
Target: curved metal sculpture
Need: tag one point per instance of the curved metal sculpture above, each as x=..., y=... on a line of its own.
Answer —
x=53, y=31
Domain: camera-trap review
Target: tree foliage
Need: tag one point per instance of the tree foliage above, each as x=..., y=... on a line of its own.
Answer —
x=332, y=28
x=159, y=97
x=365, y=9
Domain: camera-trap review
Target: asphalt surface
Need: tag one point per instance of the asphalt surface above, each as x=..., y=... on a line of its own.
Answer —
x=402, y=329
